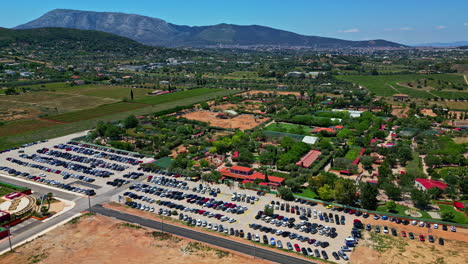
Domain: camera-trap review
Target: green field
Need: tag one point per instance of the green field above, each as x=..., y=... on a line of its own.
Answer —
x=380, y=84
x=106, y=91
x=400, y=210
x=289, y=128
x=353, y=153
x=459, y=217
x=57, y=130
x=414, y=166
x=165, y=98
x=308, y=193
x=21, y=126
x=101, y=110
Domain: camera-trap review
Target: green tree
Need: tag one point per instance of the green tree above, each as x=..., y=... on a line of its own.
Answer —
x=131, y=121
x=131, y=94
x=325, y=192
x=420, y=198
x=368, y=196
x=294, y=185
x=435, y=193
x=268, y=210
x=392, y=191
x=391, y=206
x=448, y=216
x=285, y=193
x=345, y=191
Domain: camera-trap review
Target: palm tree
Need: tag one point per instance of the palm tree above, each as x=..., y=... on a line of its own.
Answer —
x=49, y=197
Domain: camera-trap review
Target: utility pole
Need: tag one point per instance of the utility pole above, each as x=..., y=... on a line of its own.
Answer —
x=89, y=203
x=9, y=239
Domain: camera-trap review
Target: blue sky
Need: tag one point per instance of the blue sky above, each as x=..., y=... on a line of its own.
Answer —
x=408, y=21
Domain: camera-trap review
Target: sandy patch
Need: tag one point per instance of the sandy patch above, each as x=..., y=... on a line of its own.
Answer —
x=387, y=249
x=241, y=122
x=428, y=112
x=400, y=112
x=99, y=239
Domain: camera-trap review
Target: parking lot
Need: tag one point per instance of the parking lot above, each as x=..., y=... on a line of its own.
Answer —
x=75, y=167
x=233, y=211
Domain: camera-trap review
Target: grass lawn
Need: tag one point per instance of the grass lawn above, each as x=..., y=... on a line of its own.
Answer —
x=95, y=112
x=400, y=210
x=352, y=153
x=308, y=193
x=5, y=190
x=202, y=93
x=459, y=216
x=414, y=167
x=289, y=128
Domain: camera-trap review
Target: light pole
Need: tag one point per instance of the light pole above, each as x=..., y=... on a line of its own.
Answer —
x=89, y=203
x=9, y=239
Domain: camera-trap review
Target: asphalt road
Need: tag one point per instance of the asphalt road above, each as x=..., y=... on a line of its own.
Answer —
x=203, y=237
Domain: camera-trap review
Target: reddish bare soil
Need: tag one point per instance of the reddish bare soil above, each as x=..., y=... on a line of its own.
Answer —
x=241, y=122
x=99, y=239
x=268, y=92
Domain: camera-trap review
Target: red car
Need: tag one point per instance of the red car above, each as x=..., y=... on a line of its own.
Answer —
x=280, y=217
x=421, y=238
x=352, y=211
x=297, y=247
x=403, y=233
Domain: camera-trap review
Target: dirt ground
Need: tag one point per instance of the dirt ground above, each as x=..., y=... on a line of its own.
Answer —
x=385, y=248
x=241, y=122
x=99, y=239
x=252, y=108
x=400, y=112
x=428, y=112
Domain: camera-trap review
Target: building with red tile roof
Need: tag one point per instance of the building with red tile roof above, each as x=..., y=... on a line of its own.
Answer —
x=459, y=205
x=426, y=184
x=250, y=175
x=309, y=158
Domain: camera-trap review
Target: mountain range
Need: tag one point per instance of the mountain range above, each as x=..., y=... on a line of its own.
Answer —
x=157, y=32
x=443, y=44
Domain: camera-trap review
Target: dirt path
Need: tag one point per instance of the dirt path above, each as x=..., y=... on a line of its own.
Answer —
x=393, y=88
x=466, y=80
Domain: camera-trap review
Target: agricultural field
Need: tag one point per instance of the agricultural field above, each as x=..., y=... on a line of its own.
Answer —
x=202, y=94
x=21, y=126
x=388, y=85
x=241, y=122
x=102, y=110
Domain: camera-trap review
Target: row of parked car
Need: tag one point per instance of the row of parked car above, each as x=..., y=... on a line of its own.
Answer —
x=102, y=152
x=65, y=174
x=202, y=212
x=68, y=165
x=93, y=162
x=23, y=146
x=394, y=232
x=169, y=182
x=54, y=183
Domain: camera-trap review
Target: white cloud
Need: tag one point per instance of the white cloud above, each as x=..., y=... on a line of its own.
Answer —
x=441, y=27
x=351, y=30
x=398, y=29
x=405, y=28
x=466, y=24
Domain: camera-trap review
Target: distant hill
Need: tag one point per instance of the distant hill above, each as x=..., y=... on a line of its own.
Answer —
x=442, y=44
x=157, y=32
x=64, y=38
x=64, y=44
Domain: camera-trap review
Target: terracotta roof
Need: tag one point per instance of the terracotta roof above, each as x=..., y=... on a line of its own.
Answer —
x=428, y=183
x=261, y=176
x=459, y=205
x=241, y=168
x=309, y=158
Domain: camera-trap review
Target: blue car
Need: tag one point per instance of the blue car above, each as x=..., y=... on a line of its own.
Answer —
x=272, y=242
x=384, y=217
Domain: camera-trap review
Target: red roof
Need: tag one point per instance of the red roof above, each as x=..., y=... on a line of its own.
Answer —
x=309, y=158
x=236, y=154
x=428, y=183
x=241, y=168
x=459, y=205
x=261, y=176
x=339, y=127
x=75, y=77
x=356, y=161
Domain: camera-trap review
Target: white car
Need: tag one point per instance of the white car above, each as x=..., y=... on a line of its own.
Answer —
x=436, y=226
x=453, y=229
x=256, y=238
x=209, y=226
x=421, y=224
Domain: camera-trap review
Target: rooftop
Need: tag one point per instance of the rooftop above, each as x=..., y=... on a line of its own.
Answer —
x=309, y=158
x=428, y=183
